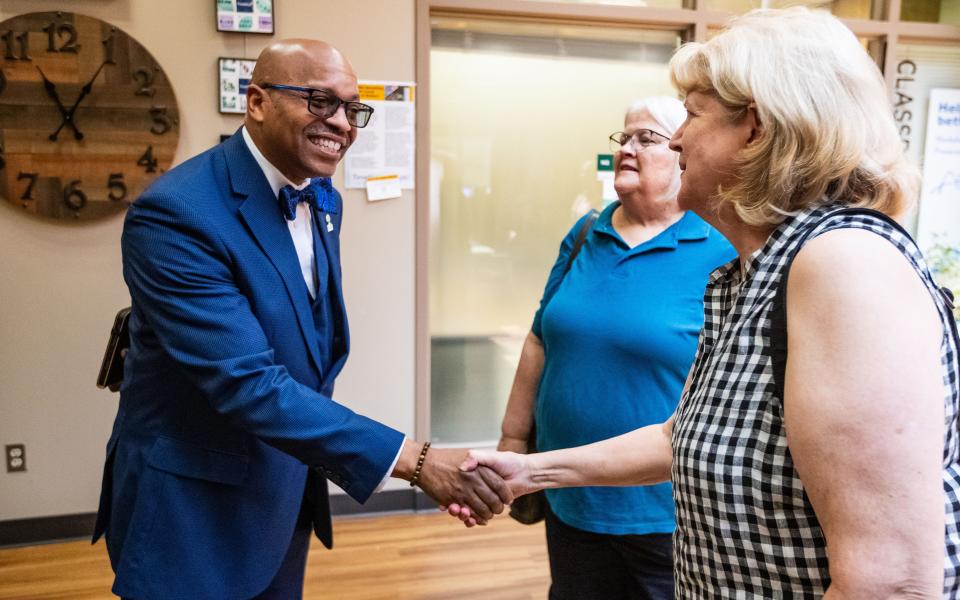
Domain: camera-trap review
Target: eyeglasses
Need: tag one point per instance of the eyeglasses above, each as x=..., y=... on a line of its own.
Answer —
x=641, y=138
x=325, y=104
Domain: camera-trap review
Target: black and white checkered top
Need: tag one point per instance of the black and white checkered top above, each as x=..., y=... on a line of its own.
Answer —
x=745, y=527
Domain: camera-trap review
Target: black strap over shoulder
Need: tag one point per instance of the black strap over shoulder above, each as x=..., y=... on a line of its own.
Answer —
x=582, y=233
x=778, y=314
x=581, y=238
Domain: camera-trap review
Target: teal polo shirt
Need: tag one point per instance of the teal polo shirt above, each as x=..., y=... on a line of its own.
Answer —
x=619, y=333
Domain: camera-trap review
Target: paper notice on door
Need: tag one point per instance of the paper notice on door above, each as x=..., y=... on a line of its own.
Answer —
x=386, y=145
x=383, y=187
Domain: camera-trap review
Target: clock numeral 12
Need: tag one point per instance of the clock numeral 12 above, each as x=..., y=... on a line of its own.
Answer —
x=21, y=39
x=70, y=45
x=147, y=161
x=28, y=193
x=118, y=190
x=73, y=197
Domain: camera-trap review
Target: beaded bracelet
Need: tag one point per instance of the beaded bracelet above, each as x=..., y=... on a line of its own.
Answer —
x=416, y=472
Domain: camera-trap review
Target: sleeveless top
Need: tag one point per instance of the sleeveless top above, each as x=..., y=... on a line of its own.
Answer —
x=745, y=527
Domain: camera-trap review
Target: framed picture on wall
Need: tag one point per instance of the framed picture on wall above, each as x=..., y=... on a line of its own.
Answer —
x=245, y=16
x=235, y=74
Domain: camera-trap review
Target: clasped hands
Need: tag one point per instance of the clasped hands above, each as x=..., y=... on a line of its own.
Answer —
x=475, y=485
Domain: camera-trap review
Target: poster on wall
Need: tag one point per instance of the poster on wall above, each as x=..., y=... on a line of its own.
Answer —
x=919, y=67
x=235, y=74
x=246, y=16
x=939, y=219
x=384, y=150
x=938, y=224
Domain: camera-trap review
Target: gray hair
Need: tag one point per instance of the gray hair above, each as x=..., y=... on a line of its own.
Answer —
x=668, y=112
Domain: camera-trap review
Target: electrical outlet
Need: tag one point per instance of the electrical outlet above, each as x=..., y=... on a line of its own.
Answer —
x=16, y=458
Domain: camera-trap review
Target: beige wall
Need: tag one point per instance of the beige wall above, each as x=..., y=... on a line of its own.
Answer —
x=61, y=285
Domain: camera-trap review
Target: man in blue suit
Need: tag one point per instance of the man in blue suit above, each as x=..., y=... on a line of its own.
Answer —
x=226, y=432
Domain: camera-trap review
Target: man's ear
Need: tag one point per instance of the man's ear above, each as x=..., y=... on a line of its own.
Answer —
x=256, y=98
x=753, y=120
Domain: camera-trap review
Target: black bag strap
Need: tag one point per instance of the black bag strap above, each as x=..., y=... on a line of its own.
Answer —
x=581, y=238
x=582, y=233
x=778, y=315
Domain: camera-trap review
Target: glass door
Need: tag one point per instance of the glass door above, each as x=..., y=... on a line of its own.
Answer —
x=519, y=114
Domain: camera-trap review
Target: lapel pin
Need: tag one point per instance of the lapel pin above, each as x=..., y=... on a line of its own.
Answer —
x=329, y=224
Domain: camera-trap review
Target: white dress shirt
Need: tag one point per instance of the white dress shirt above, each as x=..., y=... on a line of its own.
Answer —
x=301, y=228
x=301, y=231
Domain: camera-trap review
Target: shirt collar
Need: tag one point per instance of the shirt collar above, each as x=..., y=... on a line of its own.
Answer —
x=690, y=227
x=725, y=275
x=275, y=178
x=604, y=223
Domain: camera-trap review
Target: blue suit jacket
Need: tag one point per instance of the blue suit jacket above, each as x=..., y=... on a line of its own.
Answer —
x=224, y=403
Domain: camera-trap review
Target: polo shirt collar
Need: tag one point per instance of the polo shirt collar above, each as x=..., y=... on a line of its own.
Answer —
x=690, y=227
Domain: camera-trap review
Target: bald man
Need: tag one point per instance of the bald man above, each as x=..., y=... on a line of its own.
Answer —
x=226, y=433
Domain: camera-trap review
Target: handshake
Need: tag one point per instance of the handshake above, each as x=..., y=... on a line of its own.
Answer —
x=471, y=485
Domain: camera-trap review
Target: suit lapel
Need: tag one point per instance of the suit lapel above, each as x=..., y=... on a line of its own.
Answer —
x=260, y=212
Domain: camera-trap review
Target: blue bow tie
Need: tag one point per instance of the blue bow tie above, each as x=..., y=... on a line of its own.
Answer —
x=319, y=194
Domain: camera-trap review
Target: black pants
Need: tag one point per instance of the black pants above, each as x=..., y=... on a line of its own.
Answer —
x=598, y=566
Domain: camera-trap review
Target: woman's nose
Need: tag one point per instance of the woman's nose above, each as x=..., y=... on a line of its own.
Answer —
x=674, y=143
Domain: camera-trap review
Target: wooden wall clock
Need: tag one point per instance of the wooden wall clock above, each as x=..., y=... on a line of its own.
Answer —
x=87, y=116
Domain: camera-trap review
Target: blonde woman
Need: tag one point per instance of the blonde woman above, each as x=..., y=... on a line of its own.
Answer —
x=814, y=452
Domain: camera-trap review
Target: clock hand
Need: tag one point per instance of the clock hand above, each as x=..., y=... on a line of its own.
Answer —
x=86, y=89
x=51, y=90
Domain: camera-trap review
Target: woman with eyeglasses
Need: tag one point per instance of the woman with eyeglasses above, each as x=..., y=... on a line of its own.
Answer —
x=608, y=352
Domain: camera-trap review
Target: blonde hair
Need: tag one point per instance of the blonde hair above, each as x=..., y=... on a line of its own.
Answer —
x=828, y=133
